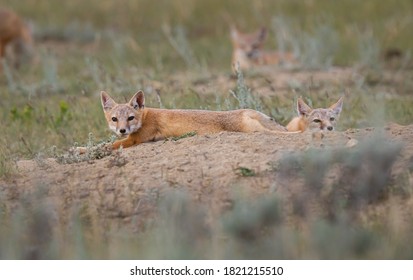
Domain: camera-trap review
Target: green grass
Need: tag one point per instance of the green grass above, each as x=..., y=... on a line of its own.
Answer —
x=174, y=50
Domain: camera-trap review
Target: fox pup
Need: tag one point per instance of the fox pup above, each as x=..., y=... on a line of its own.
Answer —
x=140, y=124
x=315, y=119
x=14, y=32
x=246, y=46
x=248, y=52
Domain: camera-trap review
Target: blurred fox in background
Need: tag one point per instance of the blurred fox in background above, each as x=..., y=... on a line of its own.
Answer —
x=15, y=38
x=248, y=50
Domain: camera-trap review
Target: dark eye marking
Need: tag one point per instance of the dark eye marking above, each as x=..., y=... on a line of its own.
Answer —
x=131, y=118
x=332, y=119
x=114, y=119
x=317, y=121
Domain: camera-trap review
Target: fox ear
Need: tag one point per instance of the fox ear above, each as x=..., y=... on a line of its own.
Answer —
x=337, y=106
x=138, y=100
x=302, y=108
x=107, y=102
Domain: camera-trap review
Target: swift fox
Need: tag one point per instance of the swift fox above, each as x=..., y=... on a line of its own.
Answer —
x=140, y=124
x=315, y=119
x=16, y=33
x=248, y=52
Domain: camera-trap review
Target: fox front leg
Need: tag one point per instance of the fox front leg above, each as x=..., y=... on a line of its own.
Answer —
x=125, y=143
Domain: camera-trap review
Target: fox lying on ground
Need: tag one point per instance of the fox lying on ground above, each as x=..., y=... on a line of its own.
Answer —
x=14, y=32
x=140, y=124
x=315, y=119
x=248, y=52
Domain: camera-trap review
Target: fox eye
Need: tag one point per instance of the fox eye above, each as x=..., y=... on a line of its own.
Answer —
x=114, y=119
x=316, y=121
x=131, y=118
x=332, y=119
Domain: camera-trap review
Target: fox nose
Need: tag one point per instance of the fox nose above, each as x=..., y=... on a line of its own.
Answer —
x=122, y=130
x=330, y=128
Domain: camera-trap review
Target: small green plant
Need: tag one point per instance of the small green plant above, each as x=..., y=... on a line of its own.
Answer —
x=63, y=113
x=25, y=114
x=186, y=135
x=30, y=114
x=245, y=172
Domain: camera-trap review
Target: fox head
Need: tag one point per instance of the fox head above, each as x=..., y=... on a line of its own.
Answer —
x=123, y=119
x=249, y=43
x=16, y=38
x=320, y=118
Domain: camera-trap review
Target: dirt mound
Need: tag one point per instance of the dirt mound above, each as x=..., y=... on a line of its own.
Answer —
x=211, y=168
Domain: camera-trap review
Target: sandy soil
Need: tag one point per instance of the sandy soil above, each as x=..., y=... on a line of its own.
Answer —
x=128, y=183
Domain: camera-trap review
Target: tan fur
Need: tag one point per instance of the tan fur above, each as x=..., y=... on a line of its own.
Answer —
x=14, y=32
x=248, y=51
x=315, y=119
x=140, y=124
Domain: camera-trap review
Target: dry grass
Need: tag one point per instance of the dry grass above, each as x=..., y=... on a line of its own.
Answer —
x=180, y=55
